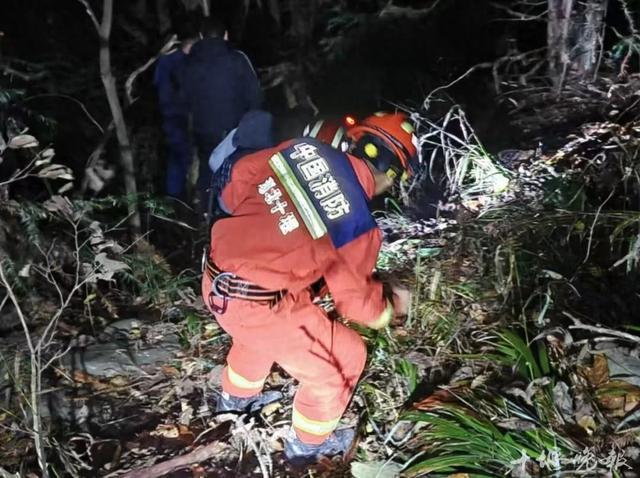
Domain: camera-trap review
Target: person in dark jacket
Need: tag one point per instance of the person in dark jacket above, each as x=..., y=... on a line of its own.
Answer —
x=254, y=133
x=220, y=86
x=175, y=115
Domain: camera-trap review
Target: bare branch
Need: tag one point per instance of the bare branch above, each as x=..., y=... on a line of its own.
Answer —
x=57, y=356
x=175, y=221
x=128, y=85
x=22, y=173
x=629, y=17
x=14, y=301
x=92, y=15
x=107, y=19
x=49, y=332
x=577, y=324
x=517, y=15
x=427, y=100
x=393, y=10
x=25, y=76
x=70, y=98
x=166, y=467
x=206, y=10
x=509, y=59
x=35, y=385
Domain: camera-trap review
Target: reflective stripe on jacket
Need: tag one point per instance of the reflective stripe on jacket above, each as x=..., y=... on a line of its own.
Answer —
x=260, y=243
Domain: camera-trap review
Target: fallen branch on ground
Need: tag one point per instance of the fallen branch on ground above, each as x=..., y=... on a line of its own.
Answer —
x=161, y=469
x=601, y=330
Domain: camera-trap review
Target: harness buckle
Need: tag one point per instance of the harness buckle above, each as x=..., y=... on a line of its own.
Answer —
x=214, y=284
x=215, y=292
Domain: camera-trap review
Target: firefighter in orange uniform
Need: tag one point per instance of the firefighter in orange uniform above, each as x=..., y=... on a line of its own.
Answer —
x=299, y=213
x=328, y=131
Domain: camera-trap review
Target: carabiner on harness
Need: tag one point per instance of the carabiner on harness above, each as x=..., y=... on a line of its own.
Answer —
x=214, y=284
x=215, y=292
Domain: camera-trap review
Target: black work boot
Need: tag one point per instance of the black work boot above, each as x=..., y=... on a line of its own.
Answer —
x=230, y=403
x=300, y=454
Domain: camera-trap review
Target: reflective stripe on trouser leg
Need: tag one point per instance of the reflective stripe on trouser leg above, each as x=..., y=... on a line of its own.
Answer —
x=326, y=386
x=239, y=386
x=326, y=357
x=246, y=371
x=309, y=430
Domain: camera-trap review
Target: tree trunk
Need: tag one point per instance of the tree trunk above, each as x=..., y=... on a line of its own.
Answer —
x=558, y=40
x=35, y=381
x=589, y=39
x=206, y=8
x=109, y=82
x=38, y=432
x=574, y=40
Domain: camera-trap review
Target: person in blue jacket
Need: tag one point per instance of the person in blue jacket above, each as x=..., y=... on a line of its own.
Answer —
x=175, y=114
x=220, y=86
x=255, y=132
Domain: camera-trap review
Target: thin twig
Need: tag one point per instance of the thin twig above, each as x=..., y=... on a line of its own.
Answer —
x=92, y=15
x=629, y=17
x=8, y=70
x=593, y=226
x=427, y=100
x=577, y=324
x=14, y=301
x=70, y=98
x=518, y=16
x=394, y=10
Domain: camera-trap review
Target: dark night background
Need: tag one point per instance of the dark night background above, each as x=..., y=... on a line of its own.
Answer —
x=346, y=56
x=378, y=62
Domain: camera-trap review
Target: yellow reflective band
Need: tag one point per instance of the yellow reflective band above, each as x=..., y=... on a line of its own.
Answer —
x=384, y=318
x=301, y=201
x=337, y=138
x=404, y=177
x=314, y=427
x=239, y=381
x=316, y=128
x=408, y=127
x=391, y=173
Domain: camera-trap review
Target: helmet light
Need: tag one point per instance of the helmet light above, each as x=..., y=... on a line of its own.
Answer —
x=371, y=150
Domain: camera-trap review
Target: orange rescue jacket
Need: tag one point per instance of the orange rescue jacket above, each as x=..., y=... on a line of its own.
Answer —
x=254, y=245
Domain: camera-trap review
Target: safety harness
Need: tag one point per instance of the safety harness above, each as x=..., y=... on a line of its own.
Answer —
x=226, y=285
x=328, y=197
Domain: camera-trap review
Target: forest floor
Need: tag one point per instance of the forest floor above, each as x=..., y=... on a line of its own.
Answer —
x=519, y=356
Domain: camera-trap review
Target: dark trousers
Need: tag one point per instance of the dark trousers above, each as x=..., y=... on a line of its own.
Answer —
x=179, y=160
x=205, y=144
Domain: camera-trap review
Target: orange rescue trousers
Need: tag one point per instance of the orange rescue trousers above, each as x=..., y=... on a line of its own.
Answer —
x=326, y=357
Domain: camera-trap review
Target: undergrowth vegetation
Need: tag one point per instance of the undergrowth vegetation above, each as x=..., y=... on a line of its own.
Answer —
x=521, y=288
x=519, y=356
